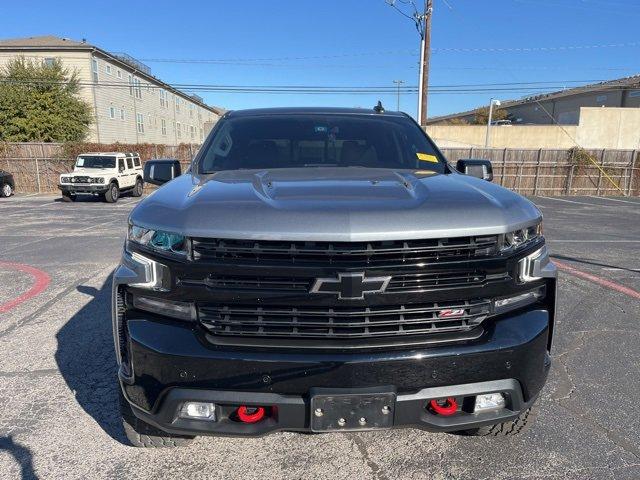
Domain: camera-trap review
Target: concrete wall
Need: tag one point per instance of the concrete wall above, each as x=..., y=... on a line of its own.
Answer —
x=617, y=128
x=529, y=136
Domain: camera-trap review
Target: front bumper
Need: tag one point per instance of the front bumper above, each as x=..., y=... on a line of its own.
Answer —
x=173, y=363
x=86, y=188
x=167, y=362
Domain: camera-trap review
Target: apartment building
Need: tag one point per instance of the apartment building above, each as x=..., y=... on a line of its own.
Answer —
x=130, y=105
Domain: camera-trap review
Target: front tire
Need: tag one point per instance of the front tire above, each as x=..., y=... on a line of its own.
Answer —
x=141, y=434
x=506, y=429
x=112, y=194
x=137, y=190
x=6, y=190
x=69, y=197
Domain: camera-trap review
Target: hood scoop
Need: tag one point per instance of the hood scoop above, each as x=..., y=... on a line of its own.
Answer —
x=347, y=185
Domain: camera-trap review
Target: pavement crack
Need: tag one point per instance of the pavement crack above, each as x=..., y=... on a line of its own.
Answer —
x=376, y=470
x=613, y=437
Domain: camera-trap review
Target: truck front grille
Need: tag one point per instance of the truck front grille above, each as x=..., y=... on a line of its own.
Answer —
x=366, y=253
x=343, y=322
x=404, y=282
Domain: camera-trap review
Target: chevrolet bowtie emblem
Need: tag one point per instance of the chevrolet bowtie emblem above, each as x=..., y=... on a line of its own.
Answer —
x=350, y=286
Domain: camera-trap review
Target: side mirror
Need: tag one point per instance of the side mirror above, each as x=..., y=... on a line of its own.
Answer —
x=159, y=172
x=476, y=168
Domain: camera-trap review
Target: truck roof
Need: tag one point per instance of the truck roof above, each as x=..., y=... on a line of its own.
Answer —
x=111, y=154
x=310, y=111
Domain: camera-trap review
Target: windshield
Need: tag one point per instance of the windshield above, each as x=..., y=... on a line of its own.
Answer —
x=301, y=140
x=88, y=161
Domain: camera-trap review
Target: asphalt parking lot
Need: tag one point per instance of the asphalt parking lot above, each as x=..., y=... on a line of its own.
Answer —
x=58, y=377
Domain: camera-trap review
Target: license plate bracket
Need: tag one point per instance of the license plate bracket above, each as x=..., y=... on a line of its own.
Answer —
x=352, y=411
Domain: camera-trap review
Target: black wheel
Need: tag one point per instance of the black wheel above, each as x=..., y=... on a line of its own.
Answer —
x=112, y=194
x=69, y=197
x=141, y=434
x=506, y=429
x=6, y=190
x=137, y=190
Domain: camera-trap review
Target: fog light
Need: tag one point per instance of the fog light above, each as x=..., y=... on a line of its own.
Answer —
x=502, y=305
x=489, y=401
x=198, y=410
x=180, y=310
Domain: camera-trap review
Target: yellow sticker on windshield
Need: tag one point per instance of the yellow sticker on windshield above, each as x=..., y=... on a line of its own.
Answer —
x=425, y=157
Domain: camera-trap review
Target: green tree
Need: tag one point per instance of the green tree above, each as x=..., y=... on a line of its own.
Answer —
x=482, y=115
x=39, y=102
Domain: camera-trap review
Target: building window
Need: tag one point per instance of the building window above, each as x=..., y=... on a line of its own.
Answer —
x=119, y=73
x=107, y=68
x=191, y=110
x=122, y=113
x=49, y=62
x=192, y=131
x=178, y=130
x=112, y=112
x=138, y=89
x=130, y=85
x=163, y=99
x=94, y=69
x=163, y=126
x=178, y=100
x=140, y=122
x=201, y=134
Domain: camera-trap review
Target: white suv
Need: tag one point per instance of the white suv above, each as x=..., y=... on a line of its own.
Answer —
x=106, y=174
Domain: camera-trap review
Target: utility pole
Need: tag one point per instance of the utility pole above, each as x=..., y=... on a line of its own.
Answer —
x=425, y=55
x=492, y=102
x=399, y=83
x=422, y=21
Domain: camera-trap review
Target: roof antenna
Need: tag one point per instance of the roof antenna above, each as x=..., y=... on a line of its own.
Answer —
x=378, y=108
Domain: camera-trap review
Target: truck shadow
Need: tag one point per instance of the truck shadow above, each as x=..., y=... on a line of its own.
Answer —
x=21, y=454
x=87, y=362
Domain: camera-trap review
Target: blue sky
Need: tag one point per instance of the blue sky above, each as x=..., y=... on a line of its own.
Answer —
x=354, y=42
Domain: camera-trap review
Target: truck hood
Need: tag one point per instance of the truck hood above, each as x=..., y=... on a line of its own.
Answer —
x=333, y=204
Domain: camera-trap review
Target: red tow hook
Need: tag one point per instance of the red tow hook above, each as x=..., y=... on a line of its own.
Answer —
x=250, y=414
x=444, y=406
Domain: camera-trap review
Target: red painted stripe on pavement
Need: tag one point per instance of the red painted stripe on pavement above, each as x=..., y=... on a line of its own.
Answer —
x=40, y=282
x=599, y=280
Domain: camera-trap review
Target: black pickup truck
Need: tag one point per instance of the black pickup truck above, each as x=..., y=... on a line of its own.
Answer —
x=326, y=270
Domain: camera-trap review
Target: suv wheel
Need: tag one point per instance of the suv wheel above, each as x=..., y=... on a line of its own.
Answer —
x=137, y=190
x=141, y=434
x=6, y=190
x=68, y=197
x=506, y=429
x=112, y=194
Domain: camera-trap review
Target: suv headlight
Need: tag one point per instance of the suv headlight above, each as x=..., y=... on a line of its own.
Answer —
x=97, y=180
x=518, y=238
x=65, y=179
x=158, y=240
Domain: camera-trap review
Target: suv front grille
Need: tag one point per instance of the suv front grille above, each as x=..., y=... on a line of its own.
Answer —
x=366, y=253
x=344, y=322
x=80, y=179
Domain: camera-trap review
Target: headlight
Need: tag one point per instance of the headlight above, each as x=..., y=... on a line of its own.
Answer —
x=97, y=180
x=523, y=236
x=158, y=240
x=65, y=180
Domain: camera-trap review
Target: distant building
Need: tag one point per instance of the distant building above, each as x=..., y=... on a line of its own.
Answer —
x=130, y=105
x=563, y=107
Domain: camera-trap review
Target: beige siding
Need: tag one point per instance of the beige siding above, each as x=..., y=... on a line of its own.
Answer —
x=144, y=101
x=113, y=91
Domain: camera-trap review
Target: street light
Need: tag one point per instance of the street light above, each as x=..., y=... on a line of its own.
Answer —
x=492, y=102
